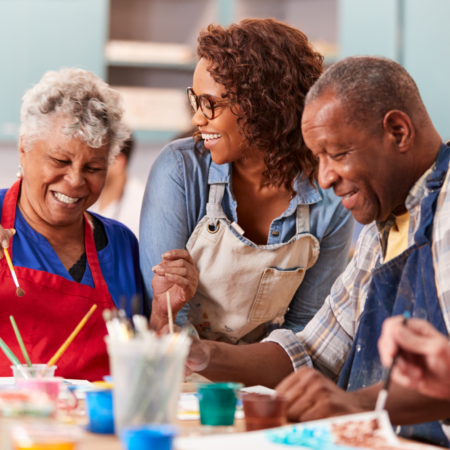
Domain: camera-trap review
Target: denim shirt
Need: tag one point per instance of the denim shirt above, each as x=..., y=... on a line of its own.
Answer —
x=175, y=201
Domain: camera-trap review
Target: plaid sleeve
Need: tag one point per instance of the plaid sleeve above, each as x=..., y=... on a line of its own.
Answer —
x=441, y=250
x=327, y=339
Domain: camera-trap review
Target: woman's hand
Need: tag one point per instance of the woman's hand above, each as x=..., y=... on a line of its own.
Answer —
x=199, y=353
x=5, y=236
x=199, y=356
x=423, y=363
x=176, y=274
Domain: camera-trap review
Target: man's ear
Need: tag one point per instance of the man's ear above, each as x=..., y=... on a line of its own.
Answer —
x=400, y=129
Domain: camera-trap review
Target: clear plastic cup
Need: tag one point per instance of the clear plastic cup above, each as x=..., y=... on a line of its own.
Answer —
x=35, y=371
x=52, y=387
x=148, y=375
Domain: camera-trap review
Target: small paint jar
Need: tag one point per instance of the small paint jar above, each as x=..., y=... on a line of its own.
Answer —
x=217, y=402
x=154, y=437
x=99, y=408
x=264, y=411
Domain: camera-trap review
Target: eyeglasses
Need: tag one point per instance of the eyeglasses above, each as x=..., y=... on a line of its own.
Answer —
x=207, y=105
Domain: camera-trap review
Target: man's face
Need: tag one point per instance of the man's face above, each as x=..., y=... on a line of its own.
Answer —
x=361, y=167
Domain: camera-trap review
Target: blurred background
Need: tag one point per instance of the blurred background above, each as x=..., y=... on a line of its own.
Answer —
x=146, y=49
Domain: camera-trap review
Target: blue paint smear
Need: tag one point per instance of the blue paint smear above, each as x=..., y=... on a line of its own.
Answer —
x=316, y=438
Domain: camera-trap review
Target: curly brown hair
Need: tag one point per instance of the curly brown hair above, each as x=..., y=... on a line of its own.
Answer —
x=267, y=68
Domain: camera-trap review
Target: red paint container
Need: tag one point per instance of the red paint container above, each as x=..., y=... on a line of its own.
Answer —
x=264, y=411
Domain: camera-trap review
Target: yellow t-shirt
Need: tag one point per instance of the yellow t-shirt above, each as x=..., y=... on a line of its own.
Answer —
x=398, y=237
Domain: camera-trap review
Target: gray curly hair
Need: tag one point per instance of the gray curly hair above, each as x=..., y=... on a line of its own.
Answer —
x=93, y=110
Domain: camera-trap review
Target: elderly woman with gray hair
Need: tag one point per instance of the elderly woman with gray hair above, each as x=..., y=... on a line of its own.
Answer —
x=65, y=259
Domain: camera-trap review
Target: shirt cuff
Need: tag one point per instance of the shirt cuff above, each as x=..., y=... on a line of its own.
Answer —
x=287, y=340
x=446, y=428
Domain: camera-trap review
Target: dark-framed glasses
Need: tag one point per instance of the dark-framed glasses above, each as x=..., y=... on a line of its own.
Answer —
x=206, y=104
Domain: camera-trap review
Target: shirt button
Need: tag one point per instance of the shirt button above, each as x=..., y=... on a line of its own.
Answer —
x=275, y=233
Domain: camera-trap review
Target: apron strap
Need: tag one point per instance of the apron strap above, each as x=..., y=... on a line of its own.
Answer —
x=214, y=209
x=434, y=184
x=302, y=219
x=91, y=253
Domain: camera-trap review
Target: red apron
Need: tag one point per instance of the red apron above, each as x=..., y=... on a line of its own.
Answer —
x=51, y=309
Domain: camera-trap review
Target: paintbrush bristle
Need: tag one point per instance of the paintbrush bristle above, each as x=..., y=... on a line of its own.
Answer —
x=20, y=292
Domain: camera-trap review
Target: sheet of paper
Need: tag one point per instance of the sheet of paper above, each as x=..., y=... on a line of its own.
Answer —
x=363, y=431
x=7, y=381
x=258, y=390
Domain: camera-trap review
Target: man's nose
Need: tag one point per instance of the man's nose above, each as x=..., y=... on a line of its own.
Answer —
x=327, y=175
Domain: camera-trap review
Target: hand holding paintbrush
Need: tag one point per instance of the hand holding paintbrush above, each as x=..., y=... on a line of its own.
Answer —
x=424, y=362
x=382, y=395
x=19, y=291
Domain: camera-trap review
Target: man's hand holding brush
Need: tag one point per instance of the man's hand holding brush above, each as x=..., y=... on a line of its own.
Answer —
x=423, y=362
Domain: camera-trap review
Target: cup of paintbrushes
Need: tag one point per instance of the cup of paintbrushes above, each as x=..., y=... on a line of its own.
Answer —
x=148, y=374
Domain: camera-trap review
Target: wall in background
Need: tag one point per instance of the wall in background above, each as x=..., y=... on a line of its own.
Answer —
x=411, y=32
x=41, y=35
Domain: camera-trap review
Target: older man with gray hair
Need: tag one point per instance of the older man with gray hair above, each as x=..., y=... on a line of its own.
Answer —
x=378, y=149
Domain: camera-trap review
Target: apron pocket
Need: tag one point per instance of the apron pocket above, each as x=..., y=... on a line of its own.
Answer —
x=275, y=292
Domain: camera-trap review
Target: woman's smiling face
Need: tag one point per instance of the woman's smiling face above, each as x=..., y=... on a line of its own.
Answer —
x=62, y=178
x=229, y=145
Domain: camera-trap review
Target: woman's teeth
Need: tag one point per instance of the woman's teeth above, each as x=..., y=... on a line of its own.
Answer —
x=63, y=198
x=211, y=136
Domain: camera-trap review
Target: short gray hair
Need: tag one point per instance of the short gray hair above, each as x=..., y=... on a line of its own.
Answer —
x=93, y=109
x=368, y=87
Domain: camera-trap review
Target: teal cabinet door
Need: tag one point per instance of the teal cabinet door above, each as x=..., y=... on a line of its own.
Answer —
x=368, y=27
x=41, y=35
x=426, y=56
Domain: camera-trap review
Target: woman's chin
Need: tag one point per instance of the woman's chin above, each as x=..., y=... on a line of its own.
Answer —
x=60, y=215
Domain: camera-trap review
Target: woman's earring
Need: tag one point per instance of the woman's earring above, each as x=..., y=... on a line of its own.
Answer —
x=19, y=174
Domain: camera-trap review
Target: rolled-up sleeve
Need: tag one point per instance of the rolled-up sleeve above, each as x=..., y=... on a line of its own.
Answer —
x=327, y=339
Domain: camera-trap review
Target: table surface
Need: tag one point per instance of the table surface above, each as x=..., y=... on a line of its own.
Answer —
x=93, y=441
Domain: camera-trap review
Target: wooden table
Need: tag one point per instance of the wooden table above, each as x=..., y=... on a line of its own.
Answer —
x=187, y=428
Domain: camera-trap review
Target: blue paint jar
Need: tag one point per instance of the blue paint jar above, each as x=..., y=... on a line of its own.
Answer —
x=99, y=407
x=154, y=437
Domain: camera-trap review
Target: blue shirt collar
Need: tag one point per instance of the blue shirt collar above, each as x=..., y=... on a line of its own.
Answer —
x=306, y=194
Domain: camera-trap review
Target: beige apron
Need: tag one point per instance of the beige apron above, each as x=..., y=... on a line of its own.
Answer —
x=244, y=287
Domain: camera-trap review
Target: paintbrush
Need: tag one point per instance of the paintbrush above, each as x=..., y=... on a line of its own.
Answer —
x=107, y=316
x=169, y=312
x=20, y=341
x=19, y=291
x=69, y=340
x=382, y=395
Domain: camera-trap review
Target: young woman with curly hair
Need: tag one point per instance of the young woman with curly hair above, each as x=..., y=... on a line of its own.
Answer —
x=241, y=195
